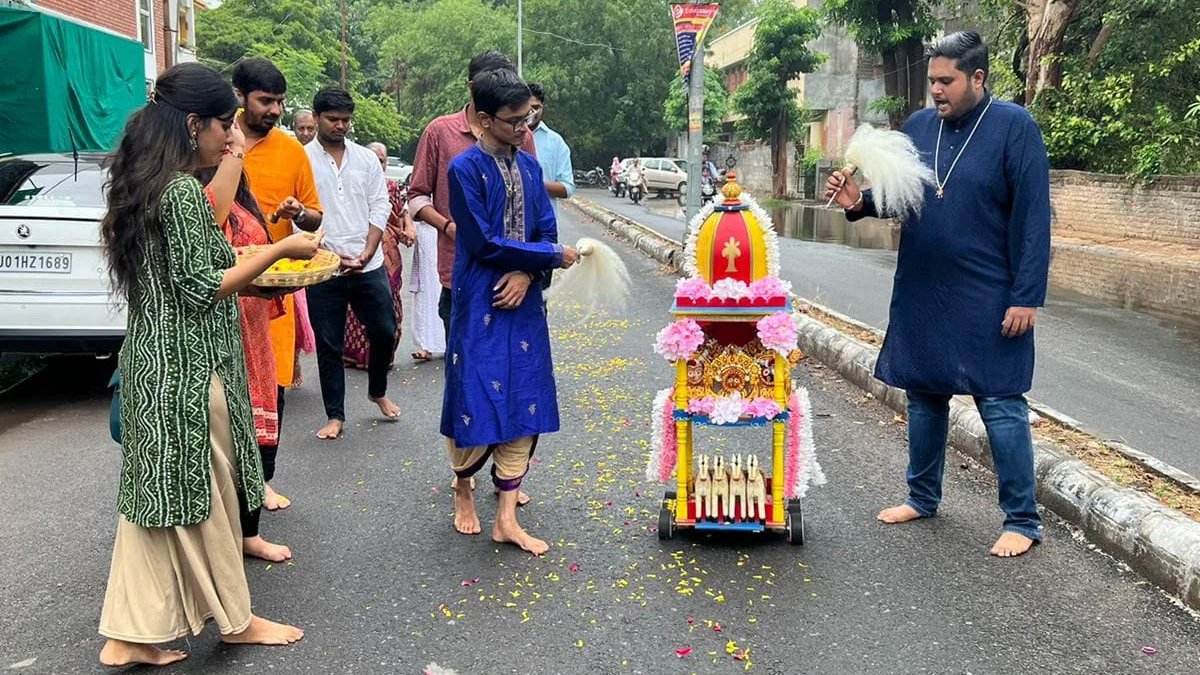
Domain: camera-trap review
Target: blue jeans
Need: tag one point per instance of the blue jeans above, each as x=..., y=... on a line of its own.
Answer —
x=1007, y=421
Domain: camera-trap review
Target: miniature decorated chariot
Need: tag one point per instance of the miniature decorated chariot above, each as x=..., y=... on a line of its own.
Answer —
x=733, y=343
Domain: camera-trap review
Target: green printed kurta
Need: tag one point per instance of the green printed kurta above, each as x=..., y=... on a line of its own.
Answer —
x=179, y=334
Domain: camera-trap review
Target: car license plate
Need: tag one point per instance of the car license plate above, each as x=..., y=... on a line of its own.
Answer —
x=51, y=263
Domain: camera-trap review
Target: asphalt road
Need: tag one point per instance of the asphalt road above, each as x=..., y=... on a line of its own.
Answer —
x=1125, y=375
x=383, y=584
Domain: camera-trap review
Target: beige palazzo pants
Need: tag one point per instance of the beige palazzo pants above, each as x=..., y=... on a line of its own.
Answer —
x=167, y=582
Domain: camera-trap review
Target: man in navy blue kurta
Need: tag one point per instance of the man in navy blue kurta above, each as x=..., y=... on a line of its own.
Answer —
x=500, y=394
x=970, y=275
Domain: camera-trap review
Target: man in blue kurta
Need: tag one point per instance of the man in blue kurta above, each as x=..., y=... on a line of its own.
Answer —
x=970, y=275
x=500, y=394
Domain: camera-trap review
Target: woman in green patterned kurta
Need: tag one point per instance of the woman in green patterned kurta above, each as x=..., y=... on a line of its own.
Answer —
x=187, y=427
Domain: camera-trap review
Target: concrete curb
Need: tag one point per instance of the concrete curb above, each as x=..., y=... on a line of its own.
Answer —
x=1160, y=543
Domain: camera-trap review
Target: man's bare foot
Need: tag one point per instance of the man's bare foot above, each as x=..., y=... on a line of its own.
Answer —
x=389, y=410
x=511, y=533
x=1011, y=545
x=263, y=632
x=466, y=520
x=331, y=430
x=117, y=653
x=272, y=500
x=522, y=498
x=898, y=514
x=261, y=548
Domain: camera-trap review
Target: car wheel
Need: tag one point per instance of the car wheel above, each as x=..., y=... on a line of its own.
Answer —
x=682, y=189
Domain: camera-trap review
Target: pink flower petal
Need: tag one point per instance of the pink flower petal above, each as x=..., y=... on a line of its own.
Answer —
x=574, y=567
x=691, y=620
x=683, y=652
x=1149, y=650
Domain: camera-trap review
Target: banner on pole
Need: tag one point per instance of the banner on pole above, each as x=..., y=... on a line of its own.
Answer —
x=691, y=24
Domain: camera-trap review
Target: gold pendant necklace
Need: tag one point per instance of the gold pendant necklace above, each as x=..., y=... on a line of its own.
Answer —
x=937, y=151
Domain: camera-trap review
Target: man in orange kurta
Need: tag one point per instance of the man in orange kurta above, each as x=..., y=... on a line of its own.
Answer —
x=282, y=181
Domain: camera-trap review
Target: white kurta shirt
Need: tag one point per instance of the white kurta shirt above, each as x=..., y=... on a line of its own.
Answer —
x=354, y=196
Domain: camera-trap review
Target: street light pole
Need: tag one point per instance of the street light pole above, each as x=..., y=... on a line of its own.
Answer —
x=520, y=35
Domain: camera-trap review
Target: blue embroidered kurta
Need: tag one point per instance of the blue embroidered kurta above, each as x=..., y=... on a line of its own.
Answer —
x=970, y=255
x=499, y=374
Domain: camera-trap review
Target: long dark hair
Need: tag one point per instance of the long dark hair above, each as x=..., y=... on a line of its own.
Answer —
x=155, y=145
x=244, y=197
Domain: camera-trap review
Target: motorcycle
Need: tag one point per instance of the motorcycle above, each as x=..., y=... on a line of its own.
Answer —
x=596, y=177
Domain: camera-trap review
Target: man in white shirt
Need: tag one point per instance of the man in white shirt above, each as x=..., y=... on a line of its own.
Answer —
x=350, y=179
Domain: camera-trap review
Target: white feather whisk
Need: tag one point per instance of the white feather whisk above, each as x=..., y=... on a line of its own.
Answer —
x=599, y=281
x=889, y=161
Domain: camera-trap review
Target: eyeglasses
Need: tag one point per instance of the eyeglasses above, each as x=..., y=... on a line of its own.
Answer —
x=520, y=123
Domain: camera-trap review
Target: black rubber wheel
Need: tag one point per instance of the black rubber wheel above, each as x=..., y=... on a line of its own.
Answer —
x=795, y=524
x=670, y=494
x=666, y=524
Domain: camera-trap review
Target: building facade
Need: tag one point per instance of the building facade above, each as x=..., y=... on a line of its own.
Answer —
x=166, y=28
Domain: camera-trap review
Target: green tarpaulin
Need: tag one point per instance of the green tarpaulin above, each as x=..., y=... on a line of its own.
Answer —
x=64, y=86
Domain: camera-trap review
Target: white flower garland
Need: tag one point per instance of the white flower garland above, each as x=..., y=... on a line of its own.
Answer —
x=765, y=224
x=693, y=236
x=810, y=472
x=661, y=399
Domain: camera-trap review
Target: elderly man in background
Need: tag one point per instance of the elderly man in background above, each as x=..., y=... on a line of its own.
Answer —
x=305, y=126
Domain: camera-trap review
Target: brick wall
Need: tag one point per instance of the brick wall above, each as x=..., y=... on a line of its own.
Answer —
x=116, y=15
x=1108, y=206
x=1133, y=280
x=754, y=166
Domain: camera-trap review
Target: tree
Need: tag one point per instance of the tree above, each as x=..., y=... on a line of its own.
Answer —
x=1046, y=26
x=778, y=56
x=716, y=102
x=897, y=30
x=303, y=38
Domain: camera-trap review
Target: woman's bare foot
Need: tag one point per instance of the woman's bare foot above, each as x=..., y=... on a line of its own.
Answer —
x=466, y=520
x=331, y=430
x=1011, y=545
x=261, y=548
x=898, y=514
x=117, y=653
x=263, y=632
x=422, y=355
x=389, y=410
x=511, y=533
x=272, y=500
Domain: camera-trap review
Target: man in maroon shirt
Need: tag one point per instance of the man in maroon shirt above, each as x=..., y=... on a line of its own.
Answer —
x=429, y=190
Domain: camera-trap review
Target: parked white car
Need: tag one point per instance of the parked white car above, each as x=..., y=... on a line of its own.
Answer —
x=54, y=293
x=398, y=170
x=666, y=176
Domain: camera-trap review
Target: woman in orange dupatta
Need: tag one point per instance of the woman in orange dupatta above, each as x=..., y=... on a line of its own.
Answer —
x=243, y=225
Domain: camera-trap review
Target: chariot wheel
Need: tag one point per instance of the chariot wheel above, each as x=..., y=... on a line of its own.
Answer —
x=795, y=524
x=666, y=524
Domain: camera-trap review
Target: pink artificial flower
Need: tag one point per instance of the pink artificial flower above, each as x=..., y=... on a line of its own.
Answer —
x=763, y=407
x=693, y=288
x=777, y=331
x=769, y=287
x=679, y=340
x=701, y=406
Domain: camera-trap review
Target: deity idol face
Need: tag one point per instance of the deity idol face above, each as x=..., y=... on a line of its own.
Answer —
x=954, y=92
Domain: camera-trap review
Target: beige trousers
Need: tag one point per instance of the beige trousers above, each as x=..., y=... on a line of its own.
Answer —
x=510, y=460
x=167, y=582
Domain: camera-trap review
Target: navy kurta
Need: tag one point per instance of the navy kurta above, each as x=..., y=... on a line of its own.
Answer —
x=970, y=255
x=499, y=374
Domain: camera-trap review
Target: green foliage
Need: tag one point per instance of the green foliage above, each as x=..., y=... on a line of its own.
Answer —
x=376, y=119
x=1126, y=111
x=880, y=25
x=779, y=55
x=888, y=105
x=716, y=103
x=303, y=38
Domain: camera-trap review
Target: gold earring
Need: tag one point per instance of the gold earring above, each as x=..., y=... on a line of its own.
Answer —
x=192, y=142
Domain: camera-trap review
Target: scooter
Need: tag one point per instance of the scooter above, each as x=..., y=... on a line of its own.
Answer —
x=635, y=193
x=708, y=192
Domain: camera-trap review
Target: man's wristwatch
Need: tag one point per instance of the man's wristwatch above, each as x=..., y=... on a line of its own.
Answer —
x=300, y=216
